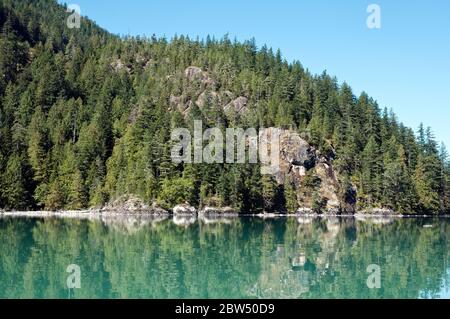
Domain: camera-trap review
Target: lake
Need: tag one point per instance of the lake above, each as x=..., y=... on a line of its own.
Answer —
x=127, y=257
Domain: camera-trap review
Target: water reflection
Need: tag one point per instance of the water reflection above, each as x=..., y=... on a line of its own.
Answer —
x=185, y=257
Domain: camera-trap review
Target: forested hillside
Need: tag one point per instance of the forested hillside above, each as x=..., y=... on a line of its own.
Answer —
x=86, y=118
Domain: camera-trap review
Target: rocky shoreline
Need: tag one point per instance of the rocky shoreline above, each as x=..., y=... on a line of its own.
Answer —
x=181, y=212
x=136, y=207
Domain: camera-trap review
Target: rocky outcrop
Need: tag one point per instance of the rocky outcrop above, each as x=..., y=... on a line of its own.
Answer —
x=207, y=94
x=184, y=209
x=208, y=98
x=179, y=103
x=304, y=211
x=239, y=105
x=329, y=187
x=377, y=212
x=296, y=151
x=217, y=211
x=131, y=204
x=300, y=162
x=194, y=73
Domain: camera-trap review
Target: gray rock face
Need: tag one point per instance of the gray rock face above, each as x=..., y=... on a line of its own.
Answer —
x=239, y=105
x=208, y=98
x=207, y=94
x=296, y=155
x=299, y=159
x=194, y=73
x=296, y=150
x=130, y=204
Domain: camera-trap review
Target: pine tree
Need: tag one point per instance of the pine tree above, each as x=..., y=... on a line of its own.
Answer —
x=425, y=185
x=15, y=184
x=290, y=196
x=370, y=172
x=269, y=193
x=37, y=152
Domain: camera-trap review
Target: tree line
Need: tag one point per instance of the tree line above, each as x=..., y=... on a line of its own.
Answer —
x=85, y=118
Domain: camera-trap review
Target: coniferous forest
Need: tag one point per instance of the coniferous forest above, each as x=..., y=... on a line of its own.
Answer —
x=86, y=118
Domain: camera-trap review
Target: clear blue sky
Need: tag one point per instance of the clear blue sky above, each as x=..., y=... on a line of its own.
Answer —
x=405, y=65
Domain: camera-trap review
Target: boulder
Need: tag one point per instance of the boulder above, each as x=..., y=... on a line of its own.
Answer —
x=127, y=204
x=184, y=209
x=228, y=211
x=378, y=212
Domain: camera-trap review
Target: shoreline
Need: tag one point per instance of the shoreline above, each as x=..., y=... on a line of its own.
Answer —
x=98, y=213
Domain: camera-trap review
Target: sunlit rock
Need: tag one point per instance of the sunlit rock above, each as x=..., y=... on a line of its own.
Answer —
x=184, y=209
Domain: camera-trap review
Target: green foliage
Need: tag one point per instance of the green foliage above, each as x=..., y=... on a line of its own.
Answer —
x=291, y=197
x=14, y=184
x=176, y=191
x=318, y=203
x=269, y=193
x=85, y=117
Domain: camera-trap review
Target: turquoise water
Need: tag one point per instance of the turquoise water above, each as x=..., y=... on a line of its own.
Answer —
x=234, y=258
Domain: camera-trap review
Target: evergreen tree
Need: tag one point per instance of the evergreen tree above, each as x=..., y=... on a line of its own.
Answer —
x=86, y=118
x=14, y=184
x=290, y=196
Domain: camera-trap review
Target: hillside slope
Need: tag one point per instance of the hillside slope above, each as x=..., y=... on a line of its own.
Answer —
x=86, y=117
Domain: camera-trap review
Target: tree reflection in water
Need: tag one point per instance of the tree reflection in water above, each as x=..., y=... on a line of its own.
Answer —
x=137, y=257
